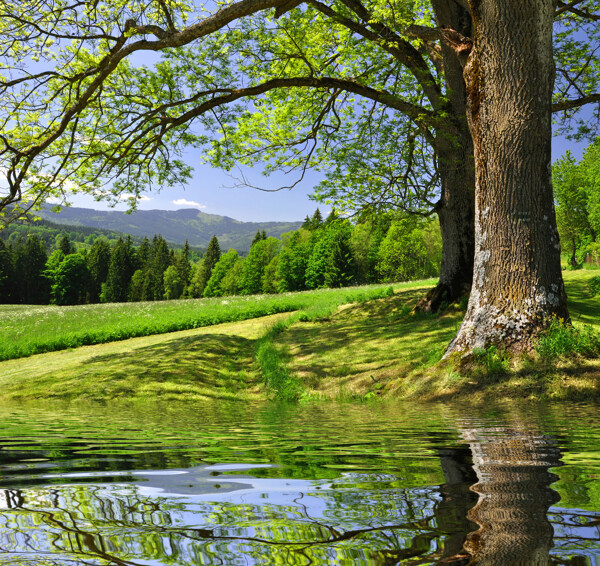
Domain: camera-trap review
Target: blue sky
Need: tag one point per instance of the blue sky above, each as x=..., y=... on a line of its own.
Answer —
x=211, y=191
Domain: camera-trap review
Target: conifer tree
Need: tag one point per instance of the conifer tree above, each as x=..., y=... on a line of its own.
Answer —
x=120, y=271
x=6, y=272
x=65, y=245
x=212, y=256
x=30, y=284
x=98, y=261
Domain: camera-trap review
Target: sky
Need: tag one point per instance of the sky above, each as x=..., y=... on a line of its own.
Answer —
x=212, y=191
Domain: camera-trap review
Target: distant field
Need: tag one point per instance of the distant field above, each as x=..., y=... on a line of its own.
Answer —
x=31, y=329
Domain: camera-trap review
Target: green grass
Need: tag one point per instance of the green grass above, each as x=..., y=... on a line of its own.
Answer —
x=28, y=330
x=210, y=363
x=327, y=349
x=380, y=349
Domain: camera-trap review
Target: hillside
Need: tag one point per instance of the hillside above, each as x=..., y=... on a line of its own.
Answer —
x=174, y=225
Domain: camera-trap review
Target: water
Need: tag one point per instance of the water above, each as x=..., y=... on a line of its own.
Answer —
x=384, y=483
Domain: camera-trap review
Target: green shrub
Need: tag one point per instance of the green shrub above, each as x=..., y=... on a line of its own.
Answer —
x=493, y=360
x=561, y=340
x=594, y=284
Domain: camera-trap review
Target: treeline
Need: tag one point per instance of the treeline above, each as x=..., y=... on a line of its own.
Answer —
x=324, y=253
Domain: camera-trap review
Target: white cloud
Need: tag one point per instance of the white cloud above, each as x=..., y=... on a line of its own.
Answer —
x=185, y=202
x=127, y=196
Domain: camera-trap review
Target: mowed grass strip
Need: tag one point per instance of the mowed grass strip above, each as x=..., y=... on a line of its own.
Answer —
x=201, y=364
x=28, y=330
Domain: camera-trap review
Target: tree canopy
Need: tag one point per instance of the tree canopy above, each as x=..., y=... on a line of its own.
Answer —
x=355, y=88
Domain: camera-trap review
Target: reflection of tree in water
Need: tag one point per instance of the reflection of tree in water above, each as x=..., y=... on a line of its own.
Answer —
x=514, y=496
x=501, y=481
x=368, y=519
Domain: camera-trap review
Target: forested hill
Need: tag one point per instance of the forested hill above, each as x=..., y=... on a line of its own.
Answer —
x=176, y=226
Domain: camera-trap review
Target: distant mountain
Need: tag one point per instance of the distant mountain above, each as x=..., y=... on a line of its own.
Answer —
x=175, y=226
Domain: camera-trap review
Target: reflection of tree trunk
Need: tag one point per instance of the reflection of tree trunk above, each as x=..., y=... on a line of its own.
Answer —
x=451, y=514
x=514, y=496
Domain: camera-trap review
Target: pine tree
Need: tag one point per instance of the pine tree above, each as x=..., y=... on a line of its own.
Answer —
x=257, y=238
x=182, y=263
x=30, y=285
x=6, y=273
x=212, y=256
x=120, y=271
x=159, y=262
x=98, y=261
x=65, y=246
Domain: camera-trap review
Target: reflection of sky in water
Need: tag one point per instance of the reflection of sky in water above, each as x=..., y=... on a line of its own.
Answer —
x=217, y=509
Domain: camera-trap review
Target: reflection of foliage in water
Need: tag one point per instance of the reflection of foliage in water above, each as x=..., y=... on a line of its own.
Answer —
x=120, y=523
x=345, y=484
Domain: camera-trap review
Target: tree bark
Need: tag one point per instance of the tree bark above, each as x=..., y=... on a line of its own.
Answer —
x=456, y=209
x=517, y=281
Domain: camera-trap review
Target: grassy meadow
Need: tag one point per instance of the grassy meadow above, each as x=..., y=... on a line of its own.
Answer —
x=360, y=343
x=30, y=329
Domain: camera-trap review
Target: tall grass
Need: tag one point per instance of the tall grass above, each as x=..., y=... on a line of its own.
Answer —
x=27, y=330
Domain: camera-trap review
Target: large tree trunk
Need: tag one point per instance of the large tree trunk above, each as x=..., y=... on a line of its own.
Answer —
x=517, y=282
x=456, y=209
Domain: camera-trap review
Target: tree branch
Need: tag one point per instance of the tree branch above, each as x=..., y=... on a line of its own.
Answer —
x=575, y=103
x=564, y=7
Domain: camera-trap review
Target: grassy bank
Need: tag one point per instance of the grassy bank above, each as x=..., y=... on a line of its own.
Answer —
x=365, y=350
x=380, y=349
x=28, y=330
x=215, y=362
x=211, y=362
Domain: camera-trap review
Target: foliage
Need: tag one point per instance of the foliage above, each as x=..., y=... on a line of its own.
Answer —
x=260, y=256
x=561, y=340
x=403, y=253
x=594, y=285
x=70, y=281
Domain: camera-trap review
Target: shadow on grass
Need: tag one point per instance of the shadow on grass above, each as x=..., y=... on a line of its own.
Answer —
x=577, y=380
x=363, y=346
x=203, y=366
x=583, y=305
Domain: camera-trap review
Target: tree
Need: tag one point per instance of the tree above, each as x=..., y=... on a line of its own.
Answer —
x=158, y=262
x=517, y=284
x=98, y=261
x=292, y=263
x=260, y=255
x=223, y=266
x=369, y=77
x=414, y=88
x=183, y=264
x=403, y=253
x=6, y=272
x=211, y=258
x=571, y=197
x=120, y=271
x=70, y=281
x=65, y=245
x=174, y=283
x=30, y=285
x=341, y=269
